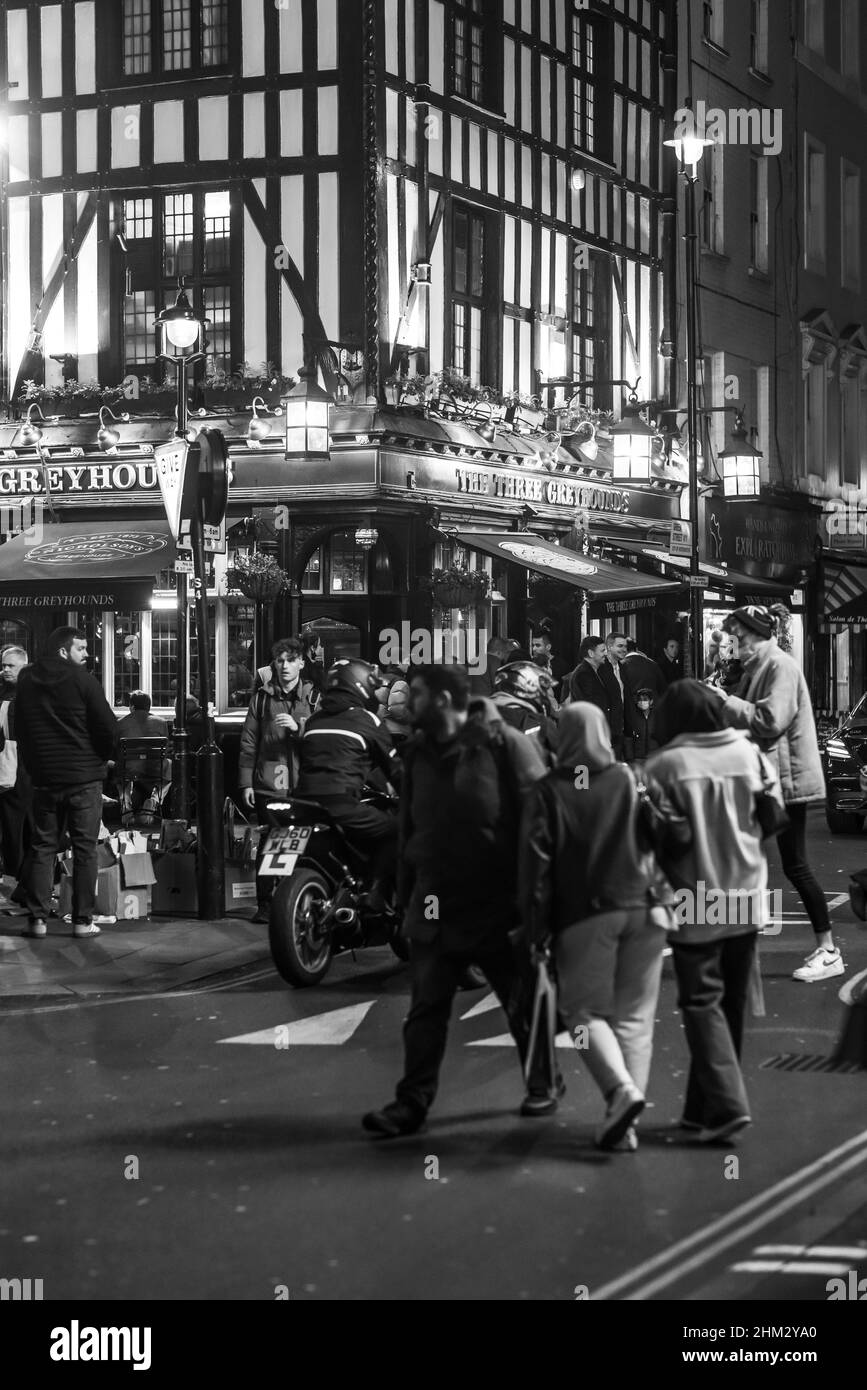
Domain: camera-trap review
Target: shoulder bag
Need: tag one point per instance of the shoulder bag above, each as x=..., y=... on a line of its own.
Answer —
x=770, y=808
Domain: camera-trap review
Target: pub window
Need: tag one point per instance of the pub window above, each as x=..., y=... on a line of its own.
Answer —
x=591, y=327
x=240, y=659
x=164, y=657
x=127, y=656
x=162, y=36
x=162, y=239
x=348, y=565
x=311, y=579
x=474, y=65
x=472, y=264
x=592, y=84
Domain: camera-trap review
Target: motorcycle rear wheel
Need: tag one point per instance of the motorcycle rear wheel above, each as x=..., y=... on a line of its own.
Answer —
x=301, y=952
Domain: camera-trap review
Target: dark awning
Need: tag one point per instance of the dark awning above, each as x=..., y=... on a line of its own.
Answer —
x=845, y=593
x=714, y=574
x=583, y=571
x=84, y=564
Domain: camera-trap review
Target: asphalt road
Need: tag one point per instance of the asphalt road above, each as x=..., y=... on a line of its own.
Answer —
x=147, y=1156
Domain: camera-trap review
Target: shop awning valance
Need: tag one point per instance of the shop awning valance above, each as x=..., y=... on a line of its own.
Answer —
x=714, y=574
x=84, y=564
x=598, y=577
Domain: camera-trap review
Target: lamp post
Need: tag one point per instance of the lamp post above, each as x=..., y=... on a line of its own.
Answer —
x=689, y=149
x=182, y=331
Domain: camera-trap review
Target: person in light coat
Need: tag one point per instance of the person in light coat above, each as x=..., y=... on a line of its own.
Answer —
x=773, y=703
x=710, y=775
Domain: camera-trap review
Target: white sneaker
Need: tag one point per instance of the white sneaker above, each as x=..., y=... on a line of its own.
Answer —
x=626, y=1105
x=822, y=964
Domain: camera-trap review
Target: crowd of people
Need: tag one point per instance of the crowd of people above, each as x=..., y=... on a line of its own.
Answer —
x=577, y=817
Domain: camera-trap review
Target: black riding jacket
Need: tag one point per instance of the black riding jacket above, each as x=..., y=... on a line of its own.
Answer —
x=343, y=744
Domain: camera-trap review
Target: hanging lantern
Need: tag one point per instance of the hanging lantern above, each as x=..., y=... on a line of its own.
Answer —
x=741, y=465
x=633, y=447
x=307, y=418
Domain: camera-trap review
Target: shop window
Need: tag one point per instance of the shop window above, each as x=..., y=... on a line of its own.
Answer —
x=195, y=686
x=162, y=239
x=127, y=658
x=240, y=660
x=91, y=626
x=311, y=579
x=14, y=634
x=473, y=262
x=348, y=565
x=164, y=657
x=162, y=36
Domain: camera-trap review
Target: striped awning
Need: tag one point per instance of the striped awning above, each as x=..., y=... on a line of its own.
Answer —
x=845, y=593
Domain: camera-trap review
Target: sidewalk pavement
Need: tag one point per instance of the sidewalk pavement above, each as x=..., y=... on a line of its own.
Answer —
x=151, y=956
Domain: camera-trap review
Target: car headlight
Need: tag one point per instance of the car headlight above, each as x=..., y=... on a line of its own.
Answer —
x=836, y=748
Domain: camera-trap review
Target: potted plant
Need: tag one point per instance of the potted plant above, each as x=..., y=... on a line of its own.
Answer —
x=458, y=587
x=258, y=576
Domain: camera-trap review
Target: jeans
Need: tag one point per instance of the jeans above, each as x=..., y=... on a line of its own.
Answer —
x=435, y=979
x=609, y=968
x=793, y=854
x=77, y=810
x=712, y=981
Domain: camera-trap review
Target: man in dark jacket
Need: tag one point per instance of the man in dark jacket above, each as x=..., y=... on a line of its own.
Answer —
x=670, y=663
x=66, y=734
x=16, y=792
x=343, y=748
x=585, y=682
x=465, y=774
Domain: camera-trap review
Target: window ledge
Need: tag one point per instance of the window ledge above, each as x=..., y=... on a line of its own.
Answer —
x=478, y=108
x=715, y=48
x=761, y=76
x=707, y=252
x=761, y=275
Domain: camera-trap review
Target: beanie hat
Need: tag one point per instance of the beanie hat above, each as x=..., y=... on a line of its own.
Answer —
x=756, y=619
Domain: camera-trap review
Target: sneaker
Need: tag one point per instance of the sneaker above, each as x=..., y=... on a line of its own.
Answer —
x=85, y=929
x=821, y=964
x=393, y=1120
x=36, y=927
x=540, y=1103
x=628, y=1144
x=727, y=1130
x=625, y=1105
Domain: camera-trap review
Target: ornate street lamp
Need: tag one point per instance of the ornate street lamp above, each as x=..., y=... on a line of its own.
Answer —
x=633, y=445
x=308, y=410
x=741, y=464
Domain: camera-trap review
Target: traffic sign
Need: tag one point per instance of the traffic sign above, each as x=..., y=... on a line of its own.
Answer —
x=213, y=476
x=177, y=468
x=215, y=538
x=697, y=581
x=183, y=564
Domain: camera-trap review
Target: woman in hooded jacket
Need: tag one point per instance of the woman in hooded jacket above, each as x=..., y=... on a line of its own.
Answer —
x=710, y=775
x=585, y=878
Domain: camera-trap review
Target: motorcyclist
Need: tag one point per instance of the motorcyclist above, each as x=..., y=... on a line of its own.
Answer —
x=343, y=748
x=521, y=698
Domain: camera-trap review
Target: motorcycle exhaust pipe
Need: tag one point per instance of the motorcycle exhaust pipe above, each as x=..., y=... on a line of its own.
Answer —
x=345, y=916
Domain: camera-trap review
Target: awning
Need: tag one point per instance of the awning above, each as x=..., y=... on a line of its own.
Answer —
x=599, y=578
x=715, y=574
x=845, y=595
x=84, y=564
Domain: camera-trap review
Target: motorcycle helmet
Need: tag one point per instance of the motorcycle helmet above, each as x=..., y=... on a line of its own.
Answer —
x=356, y=677
x=524, y=680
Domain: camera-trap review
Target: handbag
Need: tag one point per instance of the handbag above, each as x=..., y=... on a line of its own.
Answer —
x=658, y=833
x=770, y=809
x=858, y=894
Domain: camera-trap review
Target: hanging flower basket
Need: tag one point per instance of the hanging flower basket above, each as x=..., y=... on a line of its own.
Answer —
x=458, y=588
x=259, y=577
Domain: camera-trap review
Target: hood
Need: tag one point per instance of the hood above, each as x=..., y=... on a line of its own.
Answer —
x=583, y=739
x=339, y=701
x=53, y=671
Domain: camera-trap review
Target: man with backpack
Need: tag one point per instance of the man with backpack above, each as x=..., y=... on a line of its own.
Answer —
x=465, y=774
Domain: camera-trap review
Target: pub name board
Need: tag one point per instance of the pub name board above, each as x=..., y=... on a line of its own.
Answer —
x=19, y=480
x=556, y=492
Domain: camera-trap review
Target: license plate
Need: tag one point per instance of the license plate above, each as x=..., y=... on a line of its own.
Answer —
x=282, y=849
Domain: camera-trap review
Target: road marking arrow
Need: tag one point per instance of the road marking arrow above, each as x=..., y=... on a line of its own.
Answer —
x=506, y=1040
x=484, y=1006
x=322, y=1030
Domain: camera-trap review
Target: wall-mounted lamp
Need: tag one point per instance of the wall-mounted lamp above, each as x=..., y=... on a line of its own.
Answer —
x=589, y=447
x=108, y=437
x=741, y=464
x=307, y=417
x=547, y=450
x=259, y=428
x=31, y=433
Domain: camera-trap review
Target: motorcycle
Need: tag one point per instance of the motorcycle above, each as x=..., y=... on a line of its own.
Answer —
x=318, y=907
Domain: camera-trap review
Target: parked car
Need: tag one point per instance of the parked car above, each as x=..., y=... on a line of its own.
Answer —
x=844, y=758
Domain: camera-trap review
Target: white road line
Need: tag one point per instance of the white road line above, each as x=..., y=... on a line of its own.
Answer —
x=484, y=1006
x=837, y=1161
x=841, y=1252
x=789, y=1267
x=838, y=900
x=319, y=1030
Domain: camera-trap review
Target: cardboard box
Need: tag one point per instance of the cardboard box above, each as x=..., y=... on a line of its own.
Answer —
x=240, y=885
x=174, y=891
x=107, y=890
x=137, y=878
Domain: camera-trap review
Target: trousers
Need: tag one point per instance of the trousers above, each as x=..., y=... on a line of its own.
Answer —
x=78, y=811
x=712, y=980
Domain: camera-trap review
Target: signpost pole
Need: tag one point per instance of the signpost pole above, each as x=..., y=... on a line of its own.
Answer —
x=210, y=861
